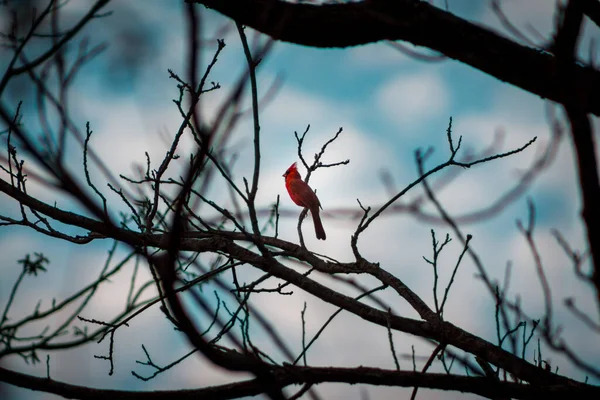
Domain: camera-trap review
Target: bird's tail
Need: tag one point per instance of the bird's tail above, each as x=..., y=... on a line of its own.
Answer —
x=320, y=232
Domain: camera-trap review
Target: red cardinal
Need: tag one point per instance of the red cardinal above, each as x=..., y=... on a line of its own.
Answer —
x=304, y=196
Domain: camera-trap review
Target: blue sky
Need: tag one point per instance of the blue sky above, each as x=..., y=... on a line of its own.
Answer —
x=389, y=105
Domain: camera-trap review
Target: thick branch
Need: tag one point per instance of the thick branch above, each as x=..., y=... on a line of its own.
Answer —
x=582, y=133
x=589, y=182
x=225, y=242
x=417, y=22
x=287, y=375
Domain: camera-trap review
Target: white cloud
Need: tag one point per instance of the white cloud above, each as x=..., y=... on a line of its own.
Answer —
x=410, y=99
x=295, y=109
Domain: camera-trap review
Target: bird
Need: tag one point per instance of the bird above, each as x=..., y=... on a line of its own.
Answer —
x=303, y=195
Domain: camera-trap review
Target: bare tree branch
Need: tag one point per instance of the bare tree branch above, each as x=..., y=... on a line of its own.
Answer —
x=350, y=24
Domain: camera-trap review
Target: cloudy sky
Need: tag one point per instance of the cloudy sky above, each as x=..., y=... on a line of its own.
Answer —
x=388, y=105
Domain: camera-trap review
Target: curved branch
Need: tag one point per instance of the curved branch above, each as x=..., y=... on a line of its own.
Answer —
x=349, y=24
x=288, y=375
x=225, y=242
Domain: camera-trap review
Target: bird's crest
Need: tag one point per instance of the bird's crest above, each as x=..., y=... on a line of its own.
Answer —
x=292, y=167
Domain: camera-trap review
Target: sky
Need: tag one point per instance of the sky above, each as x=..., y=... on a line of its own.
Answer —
x=388, y=105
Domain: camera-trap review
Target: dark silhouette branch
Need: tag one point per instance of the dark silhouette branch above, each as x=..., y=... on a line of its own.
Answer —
x=535, y=70
x=288, y=375
x=565, y=47
x=434, y=328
